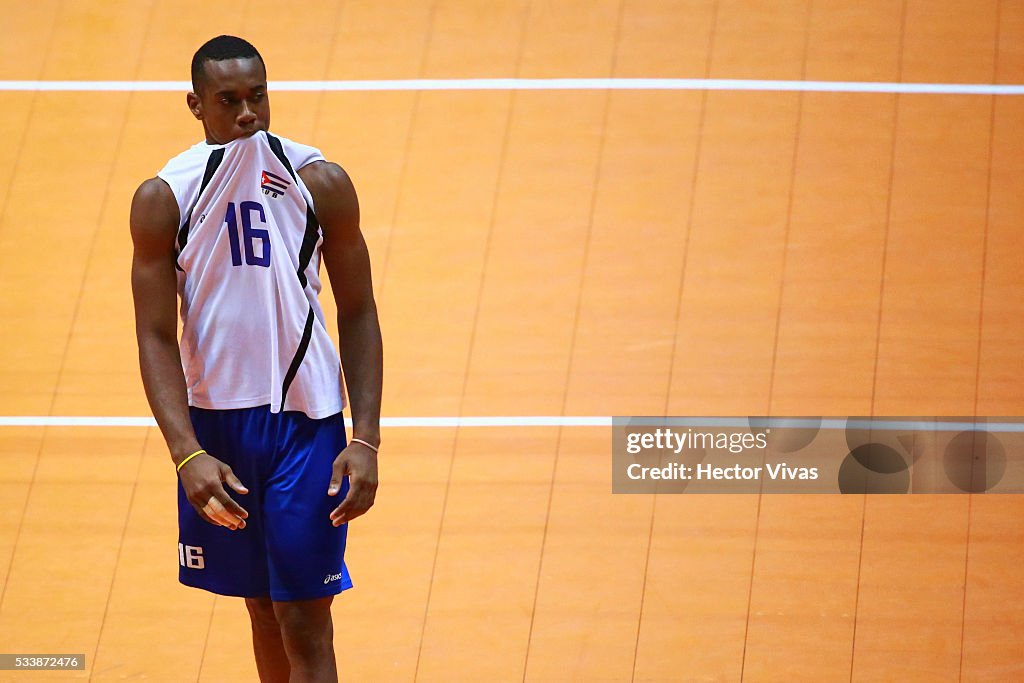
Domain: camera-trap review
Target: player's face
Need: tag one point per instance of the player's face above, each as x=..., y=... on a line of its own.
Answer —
x=232, y=100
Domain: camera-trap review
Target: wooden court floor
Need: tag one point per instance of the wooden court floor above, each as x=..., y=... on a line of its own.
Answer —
x=569, y=252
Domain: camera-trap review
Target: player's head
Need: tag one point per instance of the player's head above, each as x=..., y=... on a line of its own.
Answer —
x=229, y=89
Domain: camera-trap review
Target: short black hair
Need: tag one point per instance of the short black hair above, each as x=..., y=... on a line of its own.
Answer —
x=218, y=49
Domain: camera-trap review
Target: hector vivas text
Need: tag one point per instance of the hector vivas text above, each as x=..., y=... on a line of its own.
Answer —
x=666, y=440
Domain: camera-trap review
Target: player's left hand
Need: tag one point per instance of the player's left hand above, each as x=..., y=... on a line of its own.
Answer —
x=359, y=464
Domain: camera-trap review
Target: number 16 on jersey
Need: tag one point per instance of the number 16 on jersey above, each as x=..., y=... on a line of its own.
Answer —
x=250, y=234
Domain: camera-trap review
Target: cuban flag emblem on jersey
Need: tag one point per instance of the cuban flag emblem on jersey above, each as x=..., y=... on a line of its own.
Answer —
x=273, y=185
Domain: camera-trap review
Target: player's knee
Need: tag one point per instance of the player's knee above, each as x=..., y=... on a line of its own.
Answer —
x=305, y=626
x=261, y=612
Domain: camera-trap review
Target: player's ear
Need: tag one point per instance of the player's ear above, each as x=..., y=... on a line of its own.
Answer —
x=195, y=105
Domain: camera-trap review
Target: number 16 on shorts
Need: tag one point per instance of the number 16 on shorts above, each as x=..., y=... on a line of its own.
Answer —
x=191, y=556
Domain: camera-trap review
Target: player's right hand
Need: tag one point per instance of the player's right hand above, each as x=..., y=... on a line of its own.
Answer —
x=203, y=478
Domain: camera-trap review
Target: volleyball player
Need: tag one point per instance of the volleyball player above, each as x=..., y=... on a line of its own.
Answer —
x=249, y=401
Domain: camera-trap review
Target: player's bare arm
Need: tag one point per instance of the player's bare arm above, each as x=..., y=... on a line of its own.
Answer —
x=154, y=223
x=348, y=267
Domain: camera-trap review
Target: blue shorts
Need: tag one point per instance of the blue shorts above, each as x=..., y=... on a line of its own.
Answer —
x=288, y=550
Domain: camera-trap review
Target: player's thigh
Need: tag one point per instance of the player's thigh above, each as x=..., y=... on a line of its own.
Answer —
x=212, y=557
x=305, y=550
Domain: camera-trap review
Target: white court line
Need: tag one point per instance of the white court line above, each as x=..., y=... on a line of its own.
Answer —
x=541, y=84
x=496, y=421
x=879, y=423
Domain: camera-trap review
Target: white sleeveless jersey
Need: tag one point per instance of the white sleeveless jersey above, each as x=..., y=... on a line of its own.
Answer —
x=248, y=259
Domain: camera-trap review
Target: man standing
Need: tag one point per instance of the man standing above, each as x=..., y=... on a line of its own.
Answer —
x=250, y=403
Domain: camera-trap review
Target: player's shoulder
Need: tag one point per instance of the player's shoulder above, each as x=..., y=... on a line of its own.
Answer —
x=334, y=196
x=317, y=172
x=326, y=173
x=329, y=184
x=153, y=191
x=154, y=209
x=299, y=155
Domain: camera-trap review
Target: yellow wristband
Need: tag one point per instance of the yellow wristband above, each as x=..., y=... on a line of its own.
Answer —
x=182, y=463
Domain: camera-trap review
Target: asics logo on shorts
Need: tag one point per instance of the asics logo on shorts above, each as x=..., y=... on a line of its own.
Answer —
x=332, y=577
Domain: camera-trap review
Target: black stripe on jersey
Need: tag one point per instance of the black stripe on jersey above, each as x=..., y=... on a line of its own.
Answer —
x=300, y=353
x=278, y=150
x=312, y=233
x=212, y=164
x=309, y=239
